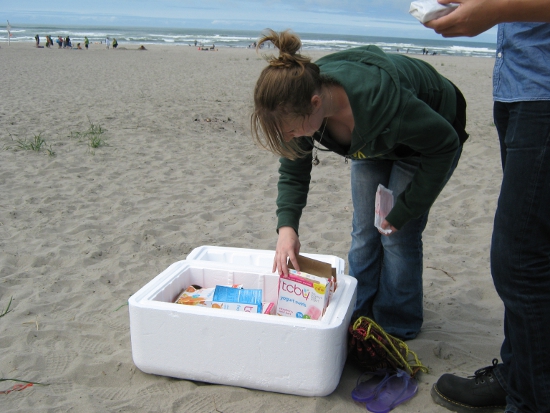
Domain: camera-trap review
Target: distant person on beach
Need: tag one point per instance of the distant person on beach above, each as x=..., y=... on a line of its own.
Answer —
x=520, y=247
x=399, y=122
x=59, y=42
x=115, y=44
x=37, y=40
x=78, y=46
x=68, y=42
x=107, y=42
x=86, y=42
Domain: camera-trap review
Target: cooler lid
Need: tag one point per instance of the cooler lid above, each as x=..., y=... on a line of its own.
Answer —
x=259, y=259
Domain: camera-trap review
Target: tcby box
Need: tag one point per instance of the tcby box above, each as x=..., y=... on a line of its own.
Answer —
x=306, y=294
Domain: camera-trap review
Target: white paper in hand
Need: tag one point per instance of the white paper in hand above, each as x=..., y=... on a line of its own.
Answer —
x=426, y=10
x=383, y=204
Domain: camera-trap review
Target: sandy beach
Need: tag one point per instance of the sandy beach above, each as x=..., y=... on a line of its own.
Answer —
x=82, y=228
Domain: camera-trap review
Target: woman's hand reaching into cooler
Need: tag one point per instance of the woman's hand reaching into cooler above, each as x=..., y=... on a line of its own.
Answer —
x=288, y=246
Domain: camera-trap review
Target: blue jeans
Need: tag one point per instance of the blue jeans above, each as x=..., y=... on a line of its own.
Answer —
x=520, y=253
x=388, y=269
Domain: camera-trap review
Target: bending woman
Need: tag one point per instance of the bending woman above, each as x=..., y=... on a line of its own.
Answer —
x=402, y=125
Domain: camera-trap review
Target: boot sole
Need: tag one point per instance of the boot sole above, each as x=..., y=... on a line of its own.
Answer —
x=440, y=399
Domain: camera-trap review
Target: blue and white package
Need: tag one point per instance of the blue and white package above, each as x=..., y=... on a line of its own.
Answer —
x=237, y=299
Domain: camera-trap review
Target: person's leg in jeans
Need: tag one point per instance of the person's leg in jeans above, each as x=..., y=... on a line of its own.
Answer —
x=399, y=306
x=365, y=255
x=388, y=269
x=520, y=253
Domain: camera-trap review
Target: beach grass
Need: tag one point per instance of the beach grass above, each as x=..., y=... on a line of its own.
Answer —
x=95, y=141
x=36, y=144
x=7, y=310
x=93, y=136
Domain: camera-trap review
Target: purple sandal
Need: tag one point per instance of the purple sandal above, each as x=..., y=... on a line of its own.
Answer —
x=396, y=389
x=368, y=389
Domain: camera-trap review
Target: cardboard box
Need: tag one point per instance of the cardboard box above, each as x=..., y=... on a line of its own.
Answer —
x=237, y=348
x=306, y=293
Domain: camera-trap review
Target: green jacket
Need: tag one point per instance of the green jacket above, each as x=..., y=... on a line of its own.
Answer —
x=401, y=107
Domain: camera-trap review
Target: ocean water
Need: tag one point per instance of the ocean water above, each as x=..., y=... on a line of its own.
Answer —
x=241, y=39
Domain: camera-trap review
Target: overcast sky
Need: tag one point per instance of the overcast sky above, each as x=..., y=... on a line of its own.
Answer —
x=361, y=17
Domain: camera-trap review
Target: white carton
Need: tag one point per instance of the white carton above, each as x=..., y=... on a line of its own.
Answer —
x=237, y=348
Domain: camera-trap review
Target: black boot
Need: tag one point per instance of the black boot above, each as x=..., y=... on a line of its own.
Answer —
x=480, y=393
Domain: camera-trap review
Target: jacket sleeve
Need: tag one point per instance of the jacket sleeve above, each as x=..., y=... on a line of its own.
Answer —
x=293, y=187
x=435, y=140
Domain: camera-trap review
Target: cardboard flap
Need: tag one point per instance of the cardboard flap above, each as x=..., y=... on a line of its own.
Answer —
x=311, y=266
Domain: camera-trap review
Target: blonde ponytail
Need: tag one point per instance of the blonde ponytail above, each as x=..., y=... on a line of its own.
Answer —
x=289, y=45
x=283, y=92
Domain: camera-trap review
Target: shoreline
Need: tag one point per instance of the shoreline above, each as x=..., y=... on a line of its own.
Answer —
x=152, y=46
x=129, y=36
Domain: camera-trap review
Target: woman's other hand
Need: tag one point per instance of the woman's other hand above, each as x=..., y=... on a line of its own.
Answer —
x=387, y=226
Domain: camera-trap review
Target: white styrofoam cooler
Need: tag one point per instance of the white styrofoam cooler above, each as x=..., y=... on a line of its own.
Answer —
x=273, y=353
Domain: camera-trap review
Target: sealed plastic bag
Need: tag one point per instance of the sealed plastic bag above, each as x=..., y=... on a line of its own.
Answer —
x=426, y=10
x=382, y=207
